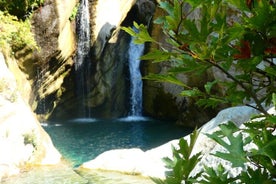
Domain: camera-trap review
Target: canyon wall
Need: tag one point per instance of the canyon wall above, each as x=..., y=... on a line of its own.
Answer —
x=53, y=79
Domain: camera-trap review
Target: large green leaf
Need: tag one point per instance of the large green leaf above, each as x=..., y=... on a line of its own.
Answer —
x=211, y=102
x=140, y=33
x=264, y=15
x=274, y=99
x=269, y=149
x=209, y=85
x=234, y=145
x=182, y=162
x=165, y=78
x=168, y=7
x=271, y=70
x=157, y=56
x=255, y=176
x=217, y=175
x=241, y=5
x=194, y=3
x=192, y=93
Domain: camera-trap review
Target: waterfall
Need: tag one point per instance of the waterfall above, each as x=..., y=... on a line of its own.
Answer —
x=82, y=56
x=83, y=32
x=136, y=84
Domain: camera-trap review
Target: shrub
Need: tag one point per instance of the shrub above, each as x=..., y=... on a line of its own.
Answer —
x=15, y=33
x=227, y=36
x=74, y=12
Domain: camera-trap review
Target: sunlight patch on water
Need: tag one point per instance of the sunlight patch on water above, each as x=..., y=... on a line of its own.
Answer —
x=83, y=120
x=47, y=124
x=134, y=118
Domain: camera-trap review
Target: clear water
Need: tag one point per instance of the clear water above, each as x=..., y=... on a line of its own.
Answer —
x=81, y=140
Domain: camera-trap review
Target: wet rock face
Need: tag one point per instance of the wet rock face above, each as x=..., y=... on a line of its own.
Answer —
x=54, y=34
x=107, y=93
x=107, y=85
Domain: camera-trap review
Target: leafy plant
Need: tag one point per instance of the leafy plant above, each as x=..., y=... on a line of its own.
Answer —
x=238, y=39
x=217, y=175
x=74, y=12
x=214, y=41
x=15, y=33
x=258, y=163
x=182, y=162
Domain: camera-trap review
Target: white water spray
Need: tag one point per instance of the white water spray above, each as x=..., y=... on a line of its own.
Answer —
x=82, y=59
x=83, y=32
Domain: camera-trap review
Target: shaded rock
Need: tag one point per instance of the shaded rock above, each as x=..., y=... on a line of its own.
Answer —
x=55, y=35
x=107, y=76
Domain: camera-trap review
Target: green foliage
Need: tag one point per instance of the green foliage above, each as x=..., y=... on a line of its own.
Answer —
x=226, y=35
x=20, y=8
x=243, y=43
x=263, y=157
x=15, y=33
x=182, y=162
x=217, y=175
x=141, y=36
x=233, y=144
x=74, y=12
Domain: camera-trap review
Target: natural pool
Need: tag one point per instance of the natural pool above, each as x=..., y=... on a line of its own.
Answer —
x=80, y=140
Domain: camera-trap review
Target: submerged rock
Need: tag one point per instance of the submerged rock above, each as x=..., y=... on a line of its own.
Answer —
x=149, y=163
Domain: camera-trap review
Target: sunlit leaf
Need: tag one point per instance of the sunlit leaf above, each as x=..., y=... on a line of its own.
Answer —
x=194, y=3
x=165, y=78
x=140, y=33
x=208, y=86
x=157, y=56
x=191, y=93
x=234, y=144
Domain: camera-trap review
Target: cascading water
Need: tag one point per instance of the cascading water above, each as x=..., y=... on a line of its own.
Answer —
x=136, y=84
x=82, y=59
x=83, y=32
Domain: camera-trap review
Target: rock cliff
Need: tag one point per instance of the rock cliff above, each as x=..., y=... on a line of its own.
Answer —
x=54, y=81
x=107, y=83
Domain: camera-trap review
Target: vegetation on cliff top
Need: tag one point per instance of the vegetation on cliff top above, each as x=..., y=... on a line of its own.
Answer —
x=237, y=39
x=14, y=33
x=15, y=26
